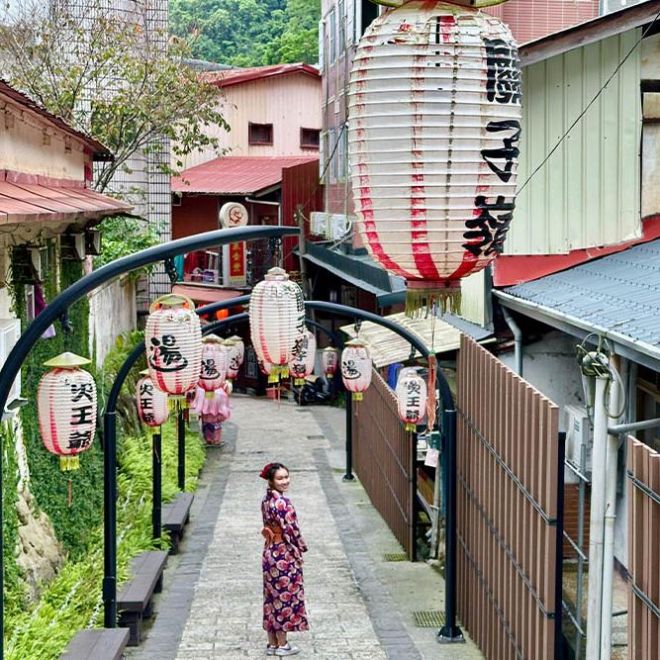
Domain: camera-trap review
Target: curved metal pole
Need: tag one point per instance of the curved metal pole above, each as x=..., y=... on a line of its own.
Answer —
x=65, y=299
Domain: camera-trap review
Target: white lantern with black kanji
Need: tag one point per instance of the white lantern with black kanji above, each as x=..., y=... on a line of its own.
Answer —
x=433, y=131
x=214, y=365
x=329, y=361
x=173, y=342
x=277, y=317
x=151, y=402
x=66, y=407
x=356, y=367
x=411, y=394
x=235, y=353
x=303, y=357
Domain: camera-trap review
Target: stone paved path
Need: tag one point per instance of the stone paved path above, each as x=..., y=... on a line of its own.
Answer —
x=211, y=605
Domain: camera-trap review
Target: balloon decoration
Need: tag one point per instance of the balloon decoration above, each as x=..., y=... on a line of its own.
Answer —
x=214, y=365
x=151, y=402
x=434, y=131
x=329, y=361
x=277, y=317
x=66, y=407
x=173, y=340
x=303, y=357
x=356, y=367
x=411, y=394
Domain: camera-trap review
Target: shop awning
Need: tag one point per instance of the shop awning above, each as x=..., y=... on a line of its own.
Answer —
x=207, y=293
x=438, y=335
x=34, y=202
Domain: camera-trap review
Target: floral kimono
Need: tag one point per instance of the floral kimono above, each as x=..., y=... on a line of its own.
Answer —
x=284, y=595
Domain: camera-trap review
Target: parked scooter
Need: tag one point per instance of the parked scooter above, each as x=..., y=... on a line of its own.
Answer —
x=315, y=391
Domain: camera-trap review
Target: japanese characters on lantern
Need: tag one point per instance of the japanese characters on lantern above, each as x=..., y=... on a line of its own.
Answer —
x=173, y=341
x=66, y=407
x=277, y=317
x=433, y=129
x=356, y=367
x=411, y=393
x=303, y=357
x=151, y=402
x=329, y=361
x=214, y=365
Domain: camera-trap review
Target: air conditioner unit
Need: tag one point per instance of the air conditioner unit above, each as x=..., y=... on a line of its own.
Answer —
x=339, y=226
x=579, y=435
x=318, y=223
x=10, y=331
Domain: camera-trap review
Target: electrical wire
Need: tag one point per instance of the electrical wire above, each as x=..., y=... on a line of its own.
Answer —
x=593, y=100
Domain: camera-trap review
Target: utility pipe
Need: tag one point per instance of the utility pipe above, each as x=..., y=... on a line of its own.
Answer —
x=618, y=429
x=517, y=340
x=598, y=492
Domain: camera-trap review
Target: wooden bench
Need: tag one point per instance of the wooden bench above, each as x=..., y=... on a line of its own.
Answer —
x=134, y=599
x=175, y=516
x=97, y=644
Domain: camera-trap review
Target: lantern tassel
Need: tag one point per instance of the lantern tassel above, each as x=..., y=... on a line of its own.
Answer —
x=69, y=462
x=357, y=396
x=421, y=298
x=69, y=492
x=410, y=427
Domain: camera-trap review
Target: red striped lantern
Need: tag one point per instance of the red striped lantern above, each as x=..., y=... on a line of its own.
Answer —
x=214, y=365
x=433, y=130
x=277, y=317
x=151, y=402
x=235, y=354
x=356, y=367
x=303, y=357
x=329, y=361
x=411, y=394
x=173, y=340
x=66, y=407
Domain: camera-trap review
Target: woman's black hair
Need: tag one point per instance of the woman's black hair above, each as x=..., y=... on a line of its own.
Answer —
x=273, y=468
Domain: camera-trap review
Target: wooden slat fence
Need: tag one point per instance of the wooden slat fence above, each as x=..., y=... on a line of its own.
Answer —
x=383, y=460
x=643, y=551
x=510, y=481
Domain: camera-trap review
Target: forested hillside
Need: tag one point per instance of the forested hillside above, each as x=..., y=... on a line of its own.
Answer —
x=249, y=32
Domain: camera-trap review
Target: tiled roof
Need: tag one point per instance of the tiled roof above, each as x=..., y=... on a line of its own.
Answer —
x=238, y=76
x=236, y=175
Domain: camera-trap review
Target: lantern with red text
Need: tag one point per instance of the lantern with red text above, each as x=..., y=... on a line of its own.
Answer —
x=66, y=406
x=235, y=352
x=329, y=361
x=173, y=341
x=151, y=402
x=303, y=357
x=433, y=131
x=356, y=367
x=411, y=394
x=277, y=317
x=214, y=365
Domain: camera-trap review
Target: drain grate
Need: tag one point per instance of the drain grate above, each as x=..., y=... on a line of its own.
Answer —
x=395, y=556
x=429, y=619
x=315, y=437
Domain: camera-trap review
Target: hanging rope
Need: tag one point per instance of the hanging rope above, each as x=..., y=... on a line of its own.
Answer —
x=431, y=401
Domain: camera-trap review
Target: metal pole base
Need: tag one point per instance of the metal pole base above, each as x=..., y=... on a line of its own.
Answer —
x=450, y=635
x=348, y=477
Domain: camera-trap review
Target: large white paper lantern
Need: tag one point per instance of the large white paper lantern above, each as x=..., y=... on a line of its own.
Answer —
x=329, y=361
x=66, y=408
x=235, y=354
x=356, y=367
x=173, y=341
x=151, y=402
x=277, y=317
x=433, y=130
x=411, y=393
x=213, y=371
x=303, y=357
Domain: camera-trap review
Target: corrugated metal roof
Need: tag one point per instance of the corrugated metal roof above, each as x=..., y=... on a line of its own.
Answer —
x=618, y=294
x=239, y=76
x=236, y=175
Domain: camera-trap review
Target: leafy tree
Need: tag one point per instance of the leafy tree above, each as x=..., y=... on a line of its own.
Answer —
x=249, y=32
x=109, y=77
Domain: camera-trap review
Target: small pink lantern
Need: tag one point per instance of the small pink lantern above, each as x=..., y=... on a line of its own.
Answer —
x=151, y=402
x=411, y=394
x=277, y=317
x=173, y=340
x=214, y=365
x=235, y=353
x=66, y=405
x=303, y=357
x=329, y=361
x=356, y=368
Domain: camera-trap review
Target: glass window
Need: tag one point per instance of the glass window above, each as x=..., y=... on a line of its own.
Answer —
x=260, y=133
x=310, y=138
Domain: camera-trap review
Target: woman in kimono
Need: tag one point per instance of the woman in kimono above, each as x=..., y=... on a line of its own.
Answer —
x=284, y=595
